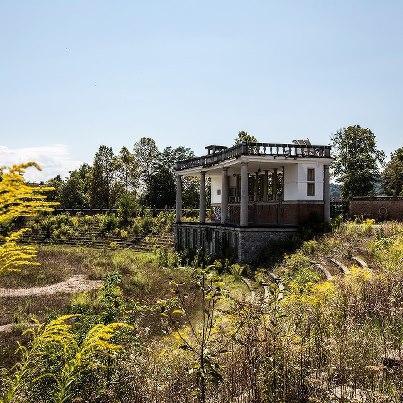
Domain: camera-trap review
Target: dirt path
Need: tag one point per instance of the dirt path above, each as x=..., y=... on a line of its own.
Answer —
x=73, y=284
x=6, y=328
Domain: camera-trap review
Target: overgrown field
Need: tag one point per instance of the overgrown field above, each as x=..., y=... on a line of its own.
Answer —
x=324, y=325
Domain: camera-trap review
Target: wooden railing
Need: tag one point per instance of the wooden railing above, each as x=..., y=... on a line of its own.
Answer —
x=258, y=149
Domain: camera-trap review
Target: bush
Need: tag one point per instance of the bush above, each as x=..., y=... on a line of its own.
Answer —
x=168, y=258
x=109, y=223
x=309, y=247
x=127, y=207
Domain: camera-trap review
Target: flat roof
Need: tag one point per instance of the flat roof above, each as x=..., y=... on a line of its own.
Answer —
x=286, y=150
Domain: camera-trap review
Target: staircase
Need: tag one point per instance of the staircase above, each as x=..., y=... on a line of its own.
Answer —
x=95, y=239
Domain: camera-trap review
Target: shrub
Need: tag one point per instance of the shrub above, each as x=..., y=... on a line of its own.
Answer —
x=168, y=258
x=109, y=223
x=127, y=207
x=309, y=247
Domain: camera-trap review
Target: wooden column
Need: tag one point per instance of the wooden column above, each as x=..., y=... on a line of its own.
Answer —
x=202, y=201
x=224, y=195
x=326, y=194
x=178, y=198
x=244, y=195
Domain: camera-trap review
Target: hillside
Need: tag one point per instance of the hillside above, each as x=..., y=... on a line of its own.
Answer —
x=324, y=325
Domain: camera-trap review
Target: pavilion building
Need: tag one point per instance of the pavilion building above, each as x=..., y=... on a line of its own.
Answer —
x=260, y=192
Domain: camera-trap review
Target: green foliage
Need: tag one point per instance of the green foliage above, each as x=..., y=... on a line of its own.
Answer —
x=62, y=227
x=200, y=341
x=336, y=222
x=168, y=258
x=357, y=159
x=392, y=175
x=160, y=191
x=128, y=181
x=358, y=228
x=309, y=247
x=106, y=307
x=289, y=337
x=109, y=222
x=57, y=362
x=101, y=179
x=127, y=171
x=74, y=192
x=245, y=137
x=128, y=207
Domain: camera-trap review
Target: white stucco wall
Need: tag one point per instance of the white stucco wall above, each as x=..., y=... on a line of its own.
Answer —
x=216, y=182
x=295, y=181
x=215, y=187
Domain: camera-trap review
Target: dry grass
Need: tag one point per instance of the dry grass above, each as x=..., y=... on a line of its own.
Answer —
x=310, y=340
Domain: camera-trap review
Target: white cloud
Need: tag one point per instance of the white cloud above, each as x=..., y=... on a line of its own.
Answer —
x=53, y=159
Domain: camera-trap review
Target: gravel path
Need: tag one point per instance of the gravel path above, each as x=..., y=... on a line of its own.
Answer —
x=73, y=284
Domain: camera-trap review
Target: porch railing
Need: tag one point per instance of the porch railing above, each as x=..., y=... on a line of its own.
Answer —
x=259, y=149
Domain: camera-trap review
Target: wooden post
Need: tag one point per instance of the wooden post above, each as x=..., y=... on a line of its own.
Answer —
x=244, y=195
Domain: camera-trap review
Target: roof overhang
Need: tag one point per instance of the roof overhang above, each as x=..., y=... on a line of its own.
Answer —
x=265, y=162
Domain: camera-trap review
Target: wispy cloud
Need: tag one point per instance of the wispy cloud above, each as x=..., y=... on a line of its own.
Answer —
x=54, y=160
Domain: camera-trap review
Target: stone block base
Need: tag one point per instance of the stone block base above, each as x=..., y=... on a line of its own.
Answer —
x=244, y=245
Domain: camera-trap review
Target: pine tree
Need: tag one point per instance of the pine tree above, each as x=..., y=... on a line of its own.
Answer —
x=103, y=172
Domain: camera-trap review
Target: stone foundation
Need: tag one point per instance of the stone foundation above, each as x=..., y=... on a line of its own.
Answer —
x=245, y=245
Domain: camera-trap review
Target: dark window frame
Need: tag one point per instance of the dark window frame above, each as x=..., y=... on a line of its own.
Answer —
x=310, y=182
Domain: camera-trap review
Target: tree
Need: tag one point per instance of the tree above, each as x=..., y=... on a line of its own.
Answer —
x=127, y=170
x=160, y=185
x=170, y=156
x=146, y=154
x=160, y=189
x=56, y=183
x=357, y=161
x=75, y=191
x=18, y=199
x=103, y=171
x=392, y=176
x=245, y=137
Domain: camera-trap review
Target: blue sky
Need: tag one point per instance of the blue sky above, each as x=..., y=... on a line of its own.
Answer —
x=77, y=74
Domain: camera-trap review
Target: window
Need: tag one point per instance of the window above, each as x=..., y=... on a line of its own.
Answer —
x=311, y=175
x=218, y=192
x=310, y=188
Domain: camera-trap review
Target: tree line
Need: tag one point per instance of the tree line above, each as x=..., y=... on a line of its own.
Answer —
x=140, y=177
x=359, y=166
x=143, y=176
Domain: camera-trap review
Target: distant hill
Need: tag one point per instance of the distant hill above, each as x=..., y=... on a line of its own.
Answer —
x=335, y=192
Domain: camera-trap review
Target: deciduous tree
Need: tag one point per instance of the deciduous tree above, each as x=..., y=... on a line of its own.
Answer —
x=146, y=154
x=245, y=137
x=357, y=161
x=392, y=176
x=102, y=178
